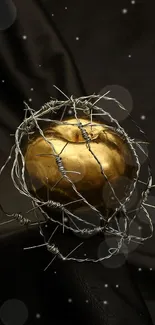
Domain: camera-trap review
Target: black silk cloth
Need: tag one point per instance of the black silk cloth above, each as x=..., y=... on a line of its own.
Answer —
x=80, y=47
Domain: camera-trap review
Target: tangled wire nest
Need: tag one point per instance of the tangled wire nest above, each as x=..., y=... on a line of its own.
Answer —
x=32, y=125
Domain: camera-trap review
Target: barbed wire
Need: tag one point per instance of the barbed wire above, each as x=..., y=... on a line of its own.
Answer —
x=86, y=105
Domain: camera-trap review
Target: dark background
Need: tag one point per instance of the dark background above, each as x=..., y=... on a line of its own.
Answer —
x=81, y=47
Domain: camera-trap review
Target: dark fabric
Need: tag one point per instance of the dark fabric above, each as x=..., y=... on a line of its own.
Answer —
x=38, y=62
x=50, y=54
x=48, y=293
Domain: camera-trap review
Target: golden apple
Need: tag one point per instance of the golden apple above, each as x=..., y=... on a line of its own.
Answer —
x=108, y=146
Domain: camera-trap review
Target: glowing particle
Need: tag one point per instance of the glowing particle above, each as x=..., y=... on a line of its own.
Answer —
x=70, y=300
x=117, y=285
x=13, y=309
x=8, y=12
x=52, y=15
x=139, y=269
x=77, y=38
x=30, y=99
x=105, y=302
x=87, y=301
x=66, y=8
x=32, y=89
x=106, y=285
x=55, y=272
x=143, y=117
x=139, y=228
x=38, y=315
x=24, y=37
x=124, y=11
x=150, y=268
x=129, y=56
x=3, y=81
x=133, y=2
x=70, y=111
